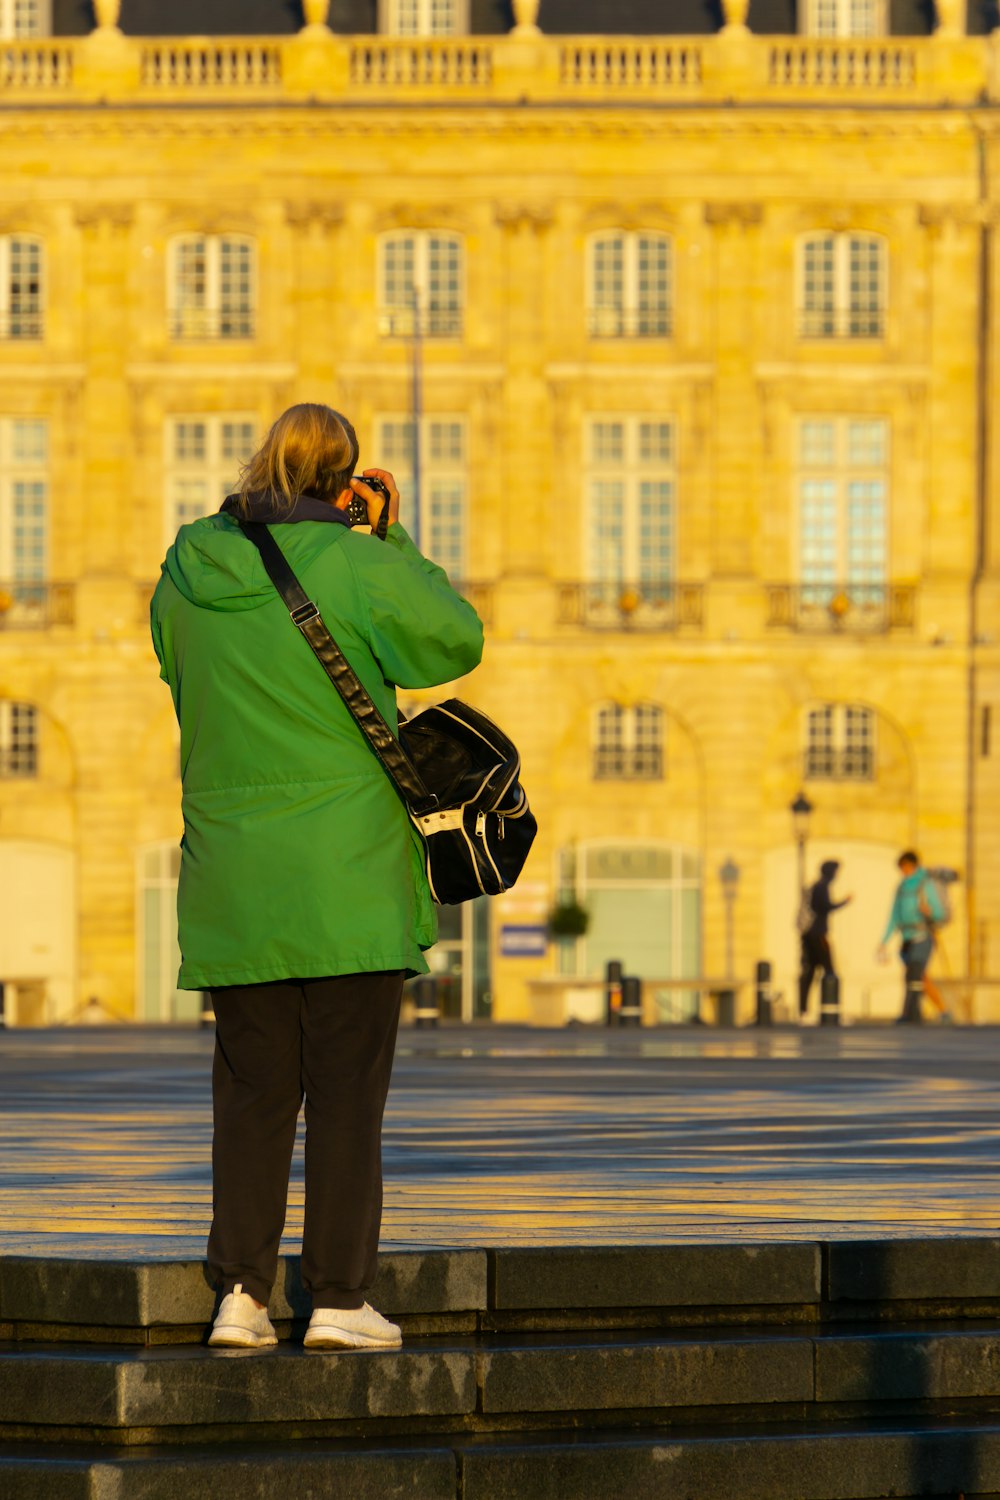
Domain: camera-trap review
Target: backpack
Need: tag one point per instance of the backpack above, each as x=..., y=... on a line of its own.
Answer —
x=805, y=916
x=941, y=880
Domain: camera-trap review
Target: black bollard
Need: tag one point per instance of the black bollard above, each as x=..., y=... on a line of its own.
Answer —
x=3, y=1018
x=725, y=1007
x=207, y=1017
x=911, y=1000
x=425, y=995
x=829, y=1000
x=630, y=1013
x=613, y=991
x=765, y=995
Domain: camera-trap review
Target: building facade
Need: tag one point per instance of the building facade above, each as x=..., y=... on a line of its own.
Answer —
x=682, y=347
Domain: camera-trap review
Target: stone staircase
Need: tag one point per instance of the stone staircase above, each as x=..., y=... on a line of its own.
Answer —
x=799, y=1371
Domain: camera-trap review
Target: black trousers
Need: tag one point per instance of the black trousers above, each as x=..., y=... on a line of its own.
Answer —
x=816, y=954
x=331, y=1042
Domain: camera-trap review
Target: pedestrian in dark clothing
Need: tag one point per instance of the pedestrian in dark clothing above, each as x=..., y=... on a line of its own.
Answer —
x=816, y=950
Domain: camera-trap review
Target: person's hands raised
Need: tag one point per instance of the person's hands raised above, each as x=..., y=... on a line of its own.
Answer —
x=373, y=499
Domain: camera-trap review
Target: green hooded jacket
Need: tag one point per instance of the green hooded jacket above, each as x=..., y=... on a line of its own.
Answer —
x=298, y=858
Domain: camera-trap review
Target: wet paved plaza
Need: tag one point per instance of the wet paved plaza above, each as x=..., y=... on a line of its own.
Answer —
x=512, y=1136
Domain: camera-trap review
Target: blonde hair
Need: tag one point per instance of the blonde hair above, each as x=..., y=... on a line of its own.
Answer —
x=310, y=450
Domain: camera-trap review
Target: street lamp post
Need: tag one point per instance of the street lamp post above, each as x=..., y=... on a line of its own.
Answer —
x=801, y=810
x=729, y=879
x=417, y=414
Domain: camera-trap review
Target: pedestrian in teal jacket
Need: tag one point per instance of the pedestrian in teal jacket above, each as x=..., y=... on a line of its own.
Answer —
x=303, y=901
x=916, y=913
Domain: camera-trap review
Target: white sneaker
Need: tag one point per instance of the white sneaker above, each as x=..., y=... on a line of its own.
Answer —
x=241, y=1324
x=351, y=1328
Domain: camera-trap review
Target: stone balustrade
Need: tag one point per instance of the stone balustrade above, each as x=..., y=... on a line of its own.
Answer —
x=733, y=65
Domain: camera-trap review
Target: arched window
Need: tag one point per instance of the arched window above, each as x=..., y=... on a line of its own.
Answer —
x=840, y=742
x=630, y=285
x=421, y=276
x=21, y=292
x=212, y=287
x=628, y=742
x=842, y=286
x=18, y=739
x=844, y=18
x=25, y=18
x=424, y=17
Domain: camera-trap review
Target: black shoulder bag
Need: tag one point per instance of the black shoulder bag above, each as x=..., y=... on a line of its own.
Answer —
x=455, y=771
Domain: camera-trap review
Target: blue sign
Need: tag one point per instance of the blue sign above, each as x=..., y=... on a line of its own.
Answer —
x=523, y=941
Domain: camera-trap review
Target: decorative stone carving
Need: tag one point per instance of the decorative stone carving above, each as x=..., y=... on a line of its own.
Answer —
x=93, y=215
x=534, y=216
x=304, y=215
x=736, y=12
x=526, y=18
x=107, y=13
x=950, y=17
x=742, y=214
x=316, y=12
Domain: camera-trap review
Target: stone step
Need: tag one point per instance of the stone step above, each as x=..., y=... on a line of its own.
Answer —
x=517, y=1289
x=485, y=1384
x=777, y=1462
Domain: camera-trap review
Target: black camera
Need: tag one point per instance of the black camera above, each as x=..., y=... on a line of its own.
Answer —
x=357, y=509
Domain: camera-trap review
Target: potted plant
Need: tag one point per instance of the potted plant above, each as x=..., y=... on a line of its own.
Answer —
x=568, y=920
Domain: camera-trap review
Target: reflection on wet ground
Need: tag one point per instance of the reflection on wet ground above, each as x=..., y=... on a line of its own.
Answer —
x=509, y=1136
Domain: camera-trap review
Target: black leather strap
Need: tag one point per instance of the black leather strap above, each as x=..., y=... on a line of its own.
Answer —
x=305, y=615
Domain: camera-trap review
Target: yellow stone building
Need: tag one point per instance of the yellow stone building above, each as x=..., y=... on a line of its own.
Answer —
x=697, y=335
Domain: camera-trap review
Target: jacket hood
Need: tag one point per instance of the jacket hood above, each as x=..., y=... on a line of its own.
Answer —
x=216, y=567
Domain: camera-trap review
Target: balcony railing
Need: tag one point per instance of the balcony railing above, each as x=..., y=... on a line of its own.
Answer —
x=165, y=66
x=629, y=323
x=316, y=64
x=404, y=63
x=202, y=323
x=841, y=608
x=34, y=606
x=630, y=606
x=841, y=323
x=432, y=322
x=17, y=326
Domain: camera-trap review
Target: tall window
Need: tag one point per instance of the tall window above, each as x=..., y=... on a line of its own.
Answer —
x=18, y=739
x=843, y=510
x=844, y=18
x=25, y=18
x=202, y=457
x=212, y=292
x=20, y=287
x=628, y=742
x=421, y=274
x=630, y=286
x=440, y=523
x=424, y=17
x=840, y=743
x=24, y=503
x=630, y=480
x=842, y=286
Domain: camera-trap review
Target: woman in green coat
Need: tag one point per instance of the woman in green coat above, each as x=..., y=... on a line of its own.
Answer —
x=303, y=902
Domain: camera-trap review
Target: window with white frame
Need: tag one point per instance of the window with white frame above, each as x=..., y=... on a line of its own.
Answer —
x=844, y=18
x=18, y=739
x=202, y=458
x=424, y=17
x=24, y=508
x=842, y=286
x=212, y=287
x=421, y=282
x=25, y=18
x=843, y=496
x=628, y=742
x=438, y=522
x=20, y=287
x=840, y=743
x=630, y=290
x=630, y=501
